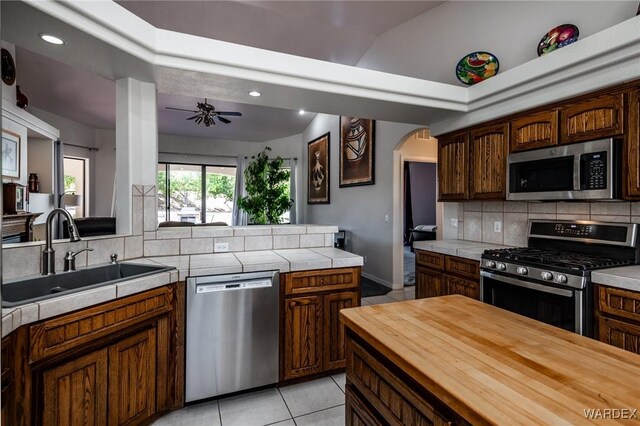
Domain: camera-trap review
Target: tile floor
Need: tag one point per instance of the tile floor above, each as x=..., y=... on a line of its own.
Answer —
x=319, y=402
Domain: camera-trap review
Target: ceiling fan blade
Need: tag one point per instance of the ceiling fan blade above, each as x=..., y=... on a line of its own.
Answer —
x=181, y=109
x=224, y=120
x=194, y=117
x=232, y=113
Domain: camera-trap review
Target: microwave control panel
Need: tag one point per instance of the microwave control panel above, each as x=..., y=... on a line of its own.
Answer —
x=593, y=170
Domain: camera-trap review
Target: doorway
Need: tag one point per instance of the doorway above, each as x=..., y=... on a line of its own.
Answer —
x=419, y=211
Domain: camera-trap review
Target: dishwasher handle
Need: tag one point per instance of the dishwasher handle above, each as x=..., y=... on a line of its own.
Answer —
x=234, y=285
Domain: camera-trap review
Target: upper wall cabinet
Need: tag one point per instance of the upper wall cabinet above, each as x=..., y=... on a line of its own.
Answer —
x=631, y=166
x=453, y=167
x=594, y=118
x=534, y=131
x=489, y=149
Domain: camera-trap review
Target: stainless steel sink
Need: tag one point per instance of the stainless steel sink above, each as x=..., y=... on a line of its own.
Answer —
x=32, y=289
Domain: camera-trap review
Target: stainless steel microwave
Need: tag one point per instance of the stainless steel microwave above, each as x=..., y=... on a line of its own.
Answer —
x=581, y=171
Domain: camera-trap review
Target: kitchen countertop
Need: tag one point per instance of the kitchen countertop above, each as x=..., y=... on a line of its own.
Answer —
x=492, y=366
x=205, y=264
x=625, y=277
x=461, y=248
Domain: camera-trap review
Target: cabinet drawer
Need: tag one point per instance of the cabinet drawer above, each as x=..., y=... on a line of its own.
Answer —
x=52, y=337
x=592, y=119
x=618, y=302
x=357, y=412
x=534, y=131
x=620, y=334
x=429, y=259
x=322, y=280
x=455, y=285
x=396, y=403
x=465, y=267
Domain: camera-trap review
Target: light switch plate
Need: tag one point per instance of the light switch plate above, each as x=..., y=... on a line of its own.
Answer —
x=221, y=247
x=497, y=226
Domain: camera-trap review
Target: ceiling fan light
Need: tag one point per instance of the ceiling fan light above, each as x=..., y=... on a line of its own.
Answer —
x=255, y=93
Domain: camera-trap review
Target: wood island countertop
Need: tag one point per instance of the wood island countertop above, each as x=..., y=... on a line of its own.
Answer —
x=492, y=366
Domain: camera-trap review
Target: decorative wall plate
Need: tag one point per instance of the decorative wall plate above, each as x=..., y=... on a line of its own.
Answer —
x=8, y=68
x=560, y=36
x=476, y=67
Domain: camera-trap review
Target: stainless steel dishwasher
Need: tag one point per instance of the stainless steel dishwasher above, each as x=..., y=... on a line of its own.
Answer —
x=232, y=333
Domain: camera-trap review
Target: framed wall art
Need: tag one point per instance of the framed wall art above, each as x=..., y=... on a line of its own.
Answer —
x=318, y=173
x=10, y=154
x=357, y=151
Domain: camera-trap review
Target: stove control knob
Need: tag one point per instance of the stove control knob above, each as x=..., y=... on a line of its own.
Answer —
x=491, y=264
x=546, y=275
x=561, y=278
x=522, y=270
x=501, y=266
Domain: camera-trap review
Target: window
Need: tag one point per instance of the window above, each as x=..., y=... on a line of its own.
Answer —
x=75, y=182
x=195, y=193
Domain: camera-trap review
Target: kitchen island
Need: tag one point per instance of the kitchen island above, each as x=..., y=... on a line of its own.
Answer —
x=454, y=360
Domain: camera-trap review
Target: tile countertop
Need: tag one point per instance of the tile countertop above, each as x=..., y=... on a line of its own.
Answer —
x=625, y=277
x=461, y=248
x=206, y=264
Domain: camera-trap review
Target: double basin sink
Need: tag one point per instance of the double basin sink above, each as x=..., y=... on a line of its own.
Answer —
x=33, y=289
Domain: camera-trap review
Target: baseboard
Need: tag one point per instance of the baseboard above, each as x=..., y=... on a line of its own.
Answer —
x=378, y=280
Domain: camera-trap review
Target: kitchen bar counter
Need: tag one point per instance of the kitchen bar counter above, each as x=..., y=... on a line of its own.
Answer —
x=626, y=277
x=204, y=264
x=461, y=248
x=490, y=366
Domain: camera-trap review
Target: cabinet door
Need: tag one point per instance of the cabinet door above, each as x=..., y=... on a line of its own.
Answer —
x=631, y=155
x=428, y=283
x=453, y=167
x=455, y=285
x=596, y=118
x=621, y=334
x=534, y=131
x=357, y=412
x=132, y=378
x=75, y=393
x=334, y=331
x=302, y=336
x=489, y=147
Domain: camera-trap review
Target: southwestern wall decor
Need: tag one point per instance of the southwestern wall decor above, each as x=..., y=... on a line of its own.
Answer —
x=318, y=159
x=357, y=149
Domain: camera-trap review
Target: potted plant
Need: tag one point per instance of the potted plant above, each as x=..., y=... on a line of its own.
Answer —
x=267, y=189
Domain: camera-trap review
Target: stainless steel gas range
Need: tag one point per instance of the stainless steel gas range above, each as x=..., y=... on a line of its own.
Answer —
x=550, y=279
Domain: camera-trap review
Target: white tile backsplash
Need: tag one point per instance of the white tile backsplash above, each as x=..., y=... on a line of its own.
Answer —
x=311, y=240
x=253, y=243
x=488, y=233
x=161, y=247
x=196, y=245
x=286, y=241
x=472, y=226
x=103, y=249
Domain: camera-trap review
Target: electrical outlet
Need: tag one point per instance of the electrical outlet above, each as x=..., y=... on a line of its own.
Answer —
x=386, y=218
x=497, y=226
x=454, y=222
x=364, y=256
x=221, y=247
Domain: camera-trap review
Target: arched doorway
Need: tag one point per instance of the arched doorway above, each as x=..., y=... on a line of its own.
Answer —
x=417, y=146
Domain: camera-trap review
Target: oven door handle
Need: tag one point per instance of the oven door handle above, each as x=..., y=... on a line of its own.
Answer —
x=527, y=284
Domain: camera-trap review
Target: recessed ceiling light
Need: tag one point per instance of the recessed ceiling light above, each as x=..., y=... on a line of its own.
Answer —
x=255, y=93
x=51, y=39
x=301, y=112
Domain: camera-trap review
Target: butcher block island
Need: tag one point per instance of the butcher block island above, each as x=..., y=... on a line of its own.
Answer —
x=455, y=360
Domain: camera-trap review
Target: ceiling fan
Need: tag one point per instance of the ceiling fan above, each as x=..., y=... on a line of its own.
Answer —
x=207, y=112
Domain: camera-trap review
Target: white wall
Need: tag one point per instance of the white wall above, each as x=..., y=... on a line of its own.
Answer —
x=511, y=30
x=360, y=210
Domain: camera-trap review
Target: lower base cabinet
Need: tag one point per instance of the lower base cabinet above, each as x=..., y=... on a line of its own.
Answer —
x=618, y=317
x=313, y=339
x=117, y=363
x=441, y=275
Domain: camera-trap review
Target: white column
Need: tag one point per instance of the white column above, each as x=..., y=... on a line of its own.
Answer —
x=136, y=144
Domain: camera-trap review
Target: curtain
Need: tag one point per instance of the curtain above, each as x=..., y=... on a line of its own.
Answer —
x=58, y=186
x=293, y=213
x=239, y=216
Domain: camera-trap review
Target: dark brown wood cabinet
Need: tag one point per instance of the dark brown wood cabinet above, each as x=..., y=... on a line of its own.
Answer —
x=313, y=339
x=590, y=119
x=451, y=275
x=534, y=131
x=618, y=317
x=116, y=363
x=453, y=167
x=489, y=147
x=631, y=165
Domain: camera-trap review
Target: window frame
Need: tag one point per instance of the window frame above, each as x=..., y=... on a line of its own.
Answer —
x=85, y=178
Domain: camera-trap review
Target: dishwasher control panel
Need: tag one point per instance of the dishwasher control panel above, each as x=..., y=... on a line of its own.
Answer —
x=237, y=285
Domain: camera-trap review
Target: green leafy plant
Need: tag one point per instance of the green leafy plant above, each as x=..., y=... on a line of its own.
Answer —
x=267, y=185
